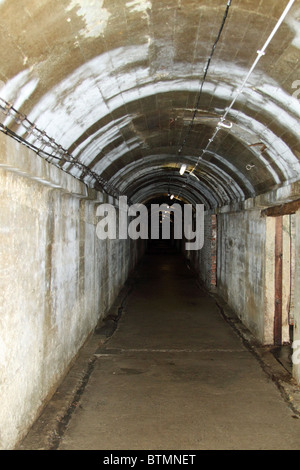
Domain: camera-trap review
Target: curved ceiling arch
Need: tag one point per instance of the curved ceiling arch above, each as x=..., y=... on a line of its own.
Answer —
x=212, y=193
x=125, y=135
x=118, y=83
x=212, y=178
x=154, y=190
x=217, y=166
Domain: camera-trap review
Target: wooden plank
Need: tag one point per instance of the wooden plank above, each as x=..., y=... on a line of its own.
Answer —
x=283, y=209
x=278, y=281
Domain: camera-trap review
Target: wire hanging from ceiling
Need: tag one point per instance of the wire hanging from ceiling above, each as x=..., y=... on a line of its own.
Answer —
x=55, y=152
x=260, y=54
x=205, y=74
x=179, y=151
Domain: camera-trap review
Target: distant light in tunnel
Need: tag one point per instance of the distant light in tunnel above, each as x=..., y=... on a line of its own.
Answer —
x=182, y=169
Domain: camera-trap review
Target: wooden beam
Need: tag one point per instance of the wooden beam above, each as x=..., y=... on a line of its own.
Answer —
x=278, y=282
x=283, y=209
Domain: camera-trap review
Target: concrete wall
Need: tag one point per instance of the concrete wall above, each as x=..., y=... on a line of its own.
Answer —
x=204, y=260
x=56, y=280
x=240, y=263
x=241, y=266
x=245, y=267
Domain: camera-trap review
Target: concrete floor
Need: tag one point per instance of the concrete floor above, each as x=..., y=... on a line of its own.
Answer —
x=173, y=376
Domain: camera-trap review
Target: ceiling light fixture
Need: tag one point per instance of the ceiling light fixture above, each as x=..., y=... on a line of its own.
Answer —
x=182, y=169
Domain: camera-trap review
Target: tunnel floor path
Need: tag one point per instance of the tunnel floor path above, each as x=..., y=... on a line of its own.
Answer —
x=176, y=376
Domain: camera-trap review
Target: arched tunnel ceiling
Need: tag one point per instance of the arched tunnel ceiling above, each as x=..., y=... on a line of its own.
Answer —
x=115, y=83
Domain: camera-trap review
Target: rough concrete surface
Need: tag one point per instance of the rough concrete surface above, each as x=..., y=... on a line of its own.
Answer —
x=174, y=375
x=119, y=94
x=117, y=83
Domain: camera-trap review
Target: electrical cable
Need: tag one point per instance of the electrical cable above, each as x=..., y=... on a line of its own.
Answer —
x=22, y=119
x=205, y=74
x=65, y=157
x=260, y=53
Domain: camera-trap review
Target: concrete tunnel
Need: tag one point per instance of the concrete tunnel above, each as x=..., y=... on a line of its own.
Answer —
x=109, y=98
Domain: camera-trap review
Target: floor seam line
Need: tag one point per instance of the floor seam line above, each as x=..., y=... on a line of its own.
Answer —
x=191, y=351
